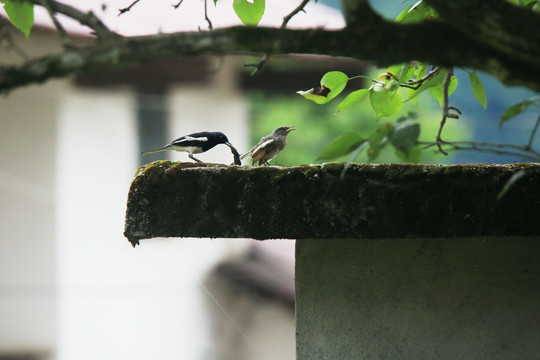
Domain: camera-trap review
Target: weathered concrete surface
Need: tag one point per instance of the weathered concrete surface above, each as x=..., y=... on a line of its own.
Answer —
x=169, y=199
x=411, y=299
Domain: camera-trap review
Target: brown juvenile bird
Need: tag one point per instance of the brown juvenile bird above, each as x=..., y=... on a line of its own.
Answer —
x=269, y=146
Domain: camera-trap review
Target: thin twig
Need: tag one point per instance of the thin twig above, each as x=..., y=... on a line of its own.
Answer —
x=446, y=85
x=12, y=44
x=415, y=84
x=258, y=65
x=299, y=8
x=87, y=19
x=496, y=148
x=495, y=151
x=210, y=27
x=176, y=6
x=125, y=10
x=62, y=33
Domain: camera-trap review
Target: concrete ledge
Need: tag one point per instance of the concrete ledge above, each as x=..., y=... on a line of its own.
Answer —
x=170, y=199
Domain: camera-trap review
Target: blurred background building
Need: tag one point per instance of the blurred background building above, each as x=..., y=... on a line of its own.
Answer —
x=71, y=286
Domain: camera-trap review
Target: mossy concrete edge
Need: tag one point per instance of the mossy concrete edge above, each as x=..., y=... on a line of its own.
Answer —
x=175, y=199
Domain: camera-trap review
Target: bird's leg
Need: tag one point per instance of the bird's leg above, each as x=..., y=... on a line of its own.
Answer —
x=194, y=158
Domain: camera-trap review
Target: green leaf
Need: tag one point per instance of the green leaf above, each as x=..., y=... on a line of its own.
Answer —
x=384, y=102
x=404, y=135
x=332, y=84
x=518, y=108
x=353, y=98
x=478, y=89
x=416, y=13
x=438, y=91
x=413, y=156
x=250, y=12
x=403, y=72
x=378, y=139
x=335, y=81
x=341, y=146
x=20, y=14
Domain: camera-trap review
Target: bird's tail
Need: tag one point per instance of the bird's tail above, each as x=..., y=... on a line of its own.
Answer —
x=155, y=150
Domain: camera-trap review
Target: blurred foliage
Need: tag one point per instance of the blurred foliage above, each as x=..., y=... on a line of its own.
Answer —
x=317, y=125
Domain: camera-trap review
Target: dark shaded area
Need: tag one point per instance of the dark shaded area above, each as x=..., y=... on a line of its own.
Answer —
x=171, y=199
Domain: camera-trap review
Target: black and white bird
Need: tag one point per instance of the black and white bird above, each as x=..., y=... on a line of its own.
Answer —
x=269, y=146
x=195, y=143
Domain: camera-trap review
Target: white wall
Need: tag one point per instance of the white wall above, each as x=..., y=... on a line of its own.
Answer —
x=116, y=301
x=27, y=218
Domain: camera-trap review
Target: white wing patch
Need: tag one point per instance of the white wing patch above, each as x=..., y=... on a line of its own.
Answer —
x=263, y=145
x=189, y=138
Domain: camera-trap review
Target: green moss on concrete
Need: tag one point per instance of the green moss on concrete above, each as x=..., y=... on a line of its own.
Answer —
x=312, y=201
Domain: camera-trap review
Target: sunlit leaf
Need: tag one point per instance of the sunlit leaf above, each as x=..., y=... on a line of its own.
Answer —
x=384, y=102
x=249, y=11
x=413, y=156
x=353, y=98
x=438, y=91
x=20, y=14
x=478, y=89
x=332, y=84
x=341, y=146
x=402, y=72
x=394, y=69
x=518, y=108
x=404, y=135
x=416, y=13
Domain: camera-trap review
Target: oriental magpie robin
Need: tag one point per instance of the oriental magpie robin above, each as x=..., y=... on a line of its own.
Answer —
x=195, y=143
x=269, y=146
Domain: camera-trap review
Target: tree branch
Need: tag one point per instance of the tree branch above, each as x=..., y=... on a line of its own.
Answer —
x=359, y=42
x=498, y=23
x=87, y=19
x=445, y=110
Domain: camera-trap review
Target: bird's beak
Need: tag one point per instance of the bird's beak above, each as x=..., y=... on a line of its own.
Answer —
x=291, y=128
x=229, y=144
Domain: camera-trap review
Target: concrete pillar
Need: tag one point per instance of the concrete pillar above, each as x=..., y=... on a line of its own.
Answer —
x=461, y=298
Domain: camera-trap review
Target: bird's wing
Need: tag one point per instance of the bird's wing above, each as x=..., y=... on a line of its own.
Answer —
x=189, y=140
x=261, y=149
x=253, y=149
